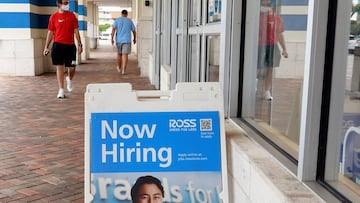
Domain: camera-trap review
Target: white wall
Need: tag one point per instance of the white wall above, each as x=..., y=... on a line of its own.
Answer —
x=144, y=36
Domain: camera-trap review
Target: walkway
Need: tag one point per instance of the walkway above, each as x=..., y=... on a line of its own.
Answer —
x=42, y=137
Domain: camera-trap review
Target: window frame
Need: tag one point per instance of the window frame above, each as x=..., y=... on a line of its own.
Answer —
x=330, y=142
x=181, y=40
x=321, y=35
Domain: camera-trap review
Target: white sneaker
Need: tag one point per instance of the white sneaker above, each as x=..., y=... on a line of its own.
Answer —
x=256, y=84
x=267, y=95
x=69, y=84
x=123, y=71
x=61, y=94
x=118, y=69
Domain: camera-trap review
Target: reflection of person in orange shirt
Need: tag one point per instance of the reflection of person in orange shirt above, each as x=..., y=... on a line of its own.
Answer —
x=147, y=189
x=271, y=30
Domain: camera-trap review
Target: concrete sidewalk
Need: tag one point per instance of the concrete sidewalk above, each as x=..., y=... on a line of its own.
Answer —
x=42, y=137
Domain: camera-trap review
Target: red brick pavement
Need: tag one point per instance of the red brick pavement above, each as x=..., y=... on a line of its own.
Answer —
x=42, y=137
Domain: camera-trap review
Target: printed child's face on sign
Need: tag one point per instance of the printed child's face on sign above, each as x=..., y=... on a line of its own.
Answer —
x=149, y=193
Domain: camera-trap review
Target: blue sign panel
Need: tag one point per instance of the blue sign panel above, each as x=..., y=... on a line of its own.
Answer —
x=182, y=149
x=161, y=141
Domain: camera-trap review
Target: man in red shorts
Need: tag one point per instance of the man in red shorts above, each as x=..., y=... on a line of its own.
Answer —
x=62, y=27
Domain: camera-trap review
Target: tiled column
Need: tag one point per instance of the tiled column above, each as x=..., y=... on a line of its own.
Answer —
x=23, y=29
x=80, y=8
x=82, y=11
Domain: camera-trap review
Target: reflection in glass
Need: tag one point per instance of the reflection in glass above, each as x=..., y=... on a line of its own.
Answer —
x=214, y=11
x=180, y=72
x=179, y=13
x=195, y=12
x=212, y=58
x=279, y=78
x=350, y=145
x=194, y=59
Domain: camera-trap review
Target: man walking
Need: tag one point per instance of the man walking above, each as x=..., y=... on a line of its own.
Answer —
x=270, y=36
x=62, y=27
x=123, y=27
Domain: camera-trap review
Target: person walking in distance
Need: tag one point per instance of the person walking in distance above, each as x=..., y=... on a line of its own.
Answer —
x=121, y=30
x=62, y=27
x=270, y=35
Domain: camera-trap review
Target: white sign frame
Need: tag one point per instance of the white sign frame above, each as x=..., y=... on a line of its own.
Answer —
x=121, y=98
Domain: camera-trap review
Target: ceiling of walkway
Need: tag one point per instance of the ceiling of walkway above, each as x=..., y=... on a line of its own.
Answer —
x=120, y=3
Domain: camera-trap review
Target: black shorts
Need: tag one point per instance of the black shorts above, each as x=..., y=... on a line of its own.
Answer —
x=63, y=54
x=268, y=56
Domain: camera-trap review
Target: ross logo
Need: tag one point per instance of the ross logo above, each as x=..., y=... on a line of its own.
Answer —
x=182, y=124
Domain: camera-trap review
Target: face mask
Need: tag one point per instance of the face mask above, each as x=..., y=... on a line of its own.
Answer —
x=264, y=9
x=65, y=7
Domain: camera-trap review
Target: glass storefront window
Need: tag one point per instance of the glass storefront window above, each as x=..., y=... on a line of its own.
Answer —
x=279, y=74
x=195, y=13
x=350, y=144
x=273, y=107
x=179, y=13
x=180, y=72
x=213, y=57
x=194, y=59
x=213, y=11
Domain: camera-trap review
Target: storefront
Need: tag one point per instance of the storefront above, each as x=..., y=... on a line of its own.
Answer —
x=311, y=116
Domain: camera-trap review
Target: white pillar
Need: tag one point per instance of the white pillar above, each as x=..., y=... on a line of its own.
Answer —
x=92, y=25
x=82, y=18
